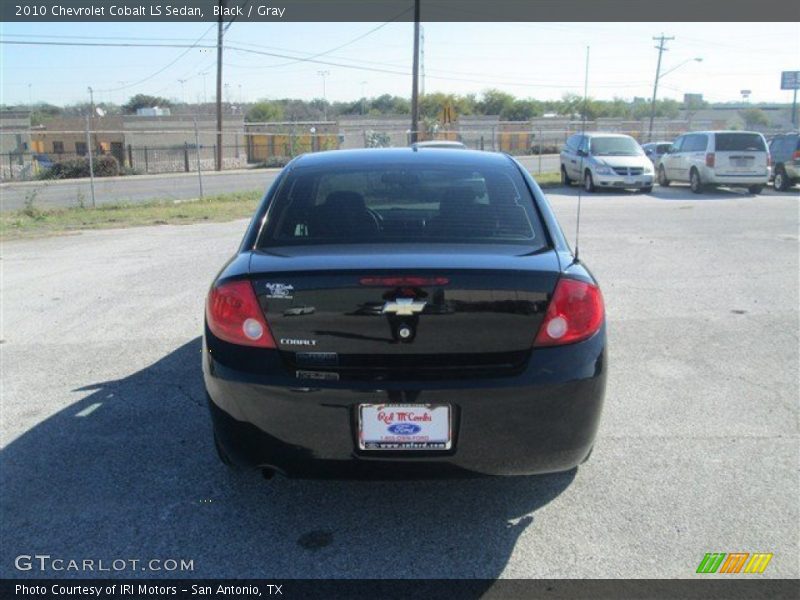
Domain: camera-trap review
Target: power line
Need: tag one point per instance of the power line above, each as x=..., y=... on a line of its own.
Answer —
x=296, y=59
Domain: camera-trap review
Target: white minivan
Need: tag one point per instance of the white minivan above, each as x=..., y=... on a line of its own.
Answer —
x=710, y=158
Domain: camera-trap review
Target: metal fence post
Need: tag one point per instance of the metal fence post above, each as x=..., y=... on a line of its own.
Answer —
x=130, y=156
x=186, y=156
x=146, y=169
x=91, y=161
x=197, y=148
x=539, y=138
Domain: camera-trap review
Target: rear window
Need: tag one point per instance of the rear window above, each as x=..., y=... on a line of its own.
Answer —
x=399, y=204
x=731, y=142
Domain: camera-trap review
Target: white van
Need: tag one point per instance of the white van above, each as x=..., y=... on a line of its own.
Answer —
x=709, y=158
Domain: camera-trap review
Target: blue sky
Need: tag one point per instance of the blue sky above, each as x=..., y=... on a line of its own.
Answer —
x=526, y=59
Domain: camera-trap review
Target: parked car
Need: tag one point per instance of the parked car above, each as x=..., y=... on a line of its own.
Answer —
x=606, y=160
x=711, y=158
x=451, y=144
x=655, y=150
x=44, y=161
x=385, y=316
x=784, y=150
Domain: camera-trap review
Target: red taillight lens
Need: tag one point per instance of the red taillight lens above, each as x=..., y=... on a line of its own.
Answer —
x=710, y=159
x=233, y=315
x=796, y=155
x=575, y=313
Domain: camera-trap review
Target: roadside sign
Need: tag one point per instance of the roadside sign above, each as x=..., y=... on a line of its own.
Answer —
x=790, y=80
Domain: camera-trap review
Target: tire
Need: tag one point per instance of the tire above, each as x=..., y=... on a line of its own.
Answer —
x=781, y=182
x=586, y=458
x=565, y=180
x=588, y=183
x=695, y=183
x=647, y=190
x=755, y=189
x=662, y=177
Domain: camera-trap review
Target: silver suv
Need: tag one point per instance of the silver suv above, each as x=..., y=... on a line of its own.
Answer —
x=606, y=160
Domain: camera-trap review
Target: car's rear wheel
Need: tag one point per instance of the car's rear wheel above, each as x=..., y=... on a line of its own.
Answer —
x=565, y=180
x=755, y=189
x=588, y=182
x=662, y=177
x=781, y=181
x=695, y=182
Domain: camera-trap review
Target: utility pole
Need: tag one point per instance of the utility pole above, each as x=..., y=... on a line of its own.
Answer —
x=218, y=163
x=415, y=78
x=421, y=60
x=662, y=40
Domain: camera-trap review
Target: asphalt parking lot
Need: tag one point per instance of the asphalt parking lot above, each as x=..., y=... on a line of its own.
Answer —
x=107, y=453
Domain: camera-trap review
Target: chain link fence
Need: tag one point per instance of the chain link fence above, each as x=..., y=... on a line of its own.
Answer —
x=111, y=154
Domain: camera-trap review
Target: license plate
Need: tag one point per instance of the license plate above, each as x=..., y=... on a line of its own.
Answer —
x=632, y=180
x=404, y=427
x=741, y=162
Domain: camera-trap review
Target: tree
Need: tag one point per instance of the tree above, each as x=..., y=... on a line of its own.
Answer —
x=264, y=110
x=144, y=101
x=522, y=110
x=494, y=102
x=754, y=117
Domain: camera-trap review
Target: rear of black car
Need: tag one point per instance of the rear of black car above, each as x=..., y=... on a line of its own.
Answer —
x=404, y=313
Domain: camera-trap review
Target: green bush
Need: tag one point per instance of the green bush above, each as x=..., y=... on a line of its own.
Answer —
x=275, y=162
x=105, y=165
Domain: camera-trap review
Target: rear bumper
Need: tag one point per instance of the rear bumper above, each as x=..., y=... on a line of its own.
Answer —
x=732, y=179
x=543, y=420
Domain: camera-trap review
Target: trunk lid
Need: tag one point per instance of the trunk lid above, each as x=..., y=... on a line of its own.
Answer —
x=372, y=312
x=740, y=154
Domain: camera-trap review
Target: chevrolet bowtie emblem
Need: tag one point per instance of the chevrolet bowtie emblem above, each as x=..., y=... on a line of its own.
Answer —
x=403, y=307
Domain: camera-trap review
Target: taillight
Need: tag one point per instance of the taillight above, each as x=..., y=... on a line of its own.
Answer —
x=575, y=313
x=796, y=155
x=710, y=159
x=769, y=159
x=403, y=281
x=233, y=315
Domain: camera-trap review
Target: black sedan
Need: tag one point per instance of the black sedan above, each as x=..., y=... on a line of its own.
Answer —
x=404, y=313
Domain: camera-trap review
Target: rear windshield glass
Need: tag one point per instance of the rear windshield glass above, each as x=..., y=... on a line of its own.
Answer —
x=727, y=142
x=442, y=204
x=615, y=146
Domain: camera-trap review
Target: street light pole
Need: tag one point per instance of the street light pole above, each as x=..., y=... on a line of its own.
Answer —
x=661, y=47
x=324, y=74
x=183, y=95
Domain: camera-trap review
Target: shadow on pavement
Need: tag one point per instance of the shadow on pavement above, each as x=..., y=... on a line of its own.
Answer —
x=673, y=192
x=129, y=472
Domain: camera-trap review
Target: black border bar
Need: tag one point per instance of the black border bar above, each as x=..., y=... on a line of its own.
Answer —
x=401, y=10
x=711, y=588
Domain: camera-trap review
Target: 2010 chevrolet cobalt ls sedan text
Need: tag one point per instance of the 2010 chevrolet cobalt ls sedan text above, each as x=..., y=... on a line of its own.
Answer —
x=404, y=312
